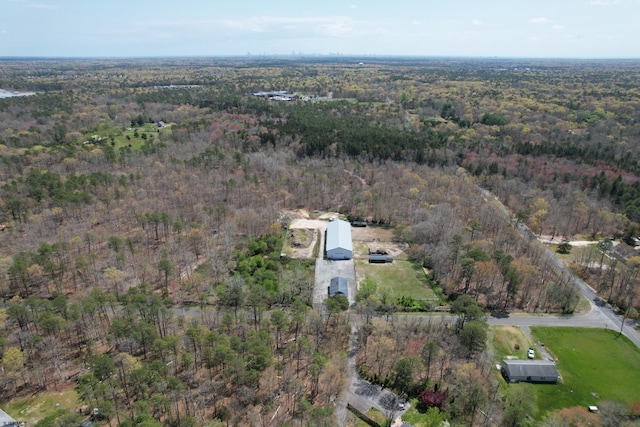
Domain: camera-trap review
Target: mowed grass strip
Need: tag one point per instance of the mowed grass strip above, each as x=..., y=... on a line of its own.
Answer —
x=375, y=415
x=400, y=278
x=595, y=365
x=503, y=340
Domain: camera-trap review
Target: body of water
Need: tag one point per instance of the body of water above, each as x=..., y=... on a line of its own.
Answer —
x=9, y=94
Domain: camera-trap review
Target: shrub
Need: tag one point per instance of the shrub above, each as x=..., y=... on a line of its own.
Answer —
x=564, y=248
x=494, y=119
x=429, y=399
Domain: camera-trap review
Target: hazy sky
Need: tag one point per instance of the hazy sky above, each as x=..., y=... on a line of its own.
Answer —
x=515, y=28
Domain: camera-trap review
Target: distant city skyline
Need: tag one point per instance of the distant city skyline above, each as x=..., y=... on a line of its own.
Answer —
x=467, y=28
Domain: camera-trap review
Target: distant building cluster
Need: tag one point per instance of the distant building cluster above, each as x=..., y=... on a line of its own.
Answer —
x=175, y=86
x=283, y=95
x=279, y=95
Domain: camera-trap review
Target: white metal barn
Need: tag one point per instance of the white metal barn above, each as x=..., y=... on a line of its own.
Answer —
x=339, y=245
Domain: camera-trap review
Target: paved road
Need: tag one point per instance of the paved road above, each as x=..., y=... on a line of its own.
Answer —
x=600, y=316
x=364, y=395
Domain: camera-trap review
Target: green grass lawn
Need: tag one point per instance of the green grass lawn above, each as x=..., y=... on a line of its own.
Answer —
x=431, y=418
x=505, y=339
x=375, y=415
x=32, y=410
x=127, y=138
x=413, y=416
x=595, y=365
x=400, y=278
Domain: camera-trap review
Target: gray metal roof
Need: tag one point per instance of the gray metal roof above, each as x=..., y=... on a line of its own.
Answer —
x=380, y=258
x=338, y=285
x=339, y=235
x=6, y=420
x=530, y=368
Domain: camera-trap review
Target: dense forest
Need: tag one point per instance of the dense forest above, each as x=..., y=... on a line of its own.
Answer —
x=144, y=206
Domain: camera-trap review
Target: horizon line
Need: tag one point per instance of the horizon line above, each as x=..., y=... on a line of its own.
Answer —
x=314, y=55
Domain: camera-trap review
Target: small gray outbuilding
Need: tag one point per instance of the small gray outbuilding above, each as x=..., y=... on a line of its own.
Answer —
x=532, y=371
x=338, y=286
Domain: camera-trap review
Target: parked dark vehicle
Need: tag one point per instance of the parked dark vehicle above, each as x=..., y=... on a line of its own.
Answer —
x=380, y=259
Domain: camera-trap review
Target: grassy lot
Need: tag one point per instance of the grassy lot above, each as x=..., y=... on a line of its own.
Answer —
x=584, y=306
x=431, y=418
x=362, y=248
x=595, y=365
x=375, y=415
x=413, y=416
x=400, y=278
x=503, y=340
x=31, y=410
x=127, y=137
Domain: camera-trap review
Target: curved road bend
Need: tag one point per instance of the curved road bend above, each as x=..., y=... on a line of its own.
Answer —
x=600, y=315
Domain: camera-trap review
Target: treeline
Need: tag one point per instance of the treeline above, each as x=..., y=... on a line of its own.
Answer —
x=342, y=128
x=438, y=363
x=257, y=345
x=121, y=231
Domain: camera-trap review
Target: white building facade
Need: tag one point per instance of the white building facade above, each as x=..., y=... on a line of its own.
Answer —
x=339, y=245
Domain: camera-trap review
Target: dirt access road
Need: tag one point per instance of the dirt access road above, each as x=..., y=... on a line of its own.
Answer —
x=312, y=228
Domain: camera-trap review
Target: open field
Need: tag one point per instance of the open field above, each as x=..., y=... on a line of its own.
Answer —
x=401, y=278
x=133, y=138
x=31, y=410
x=397, y=279
x=503, y=339
x=374, y=238
x=595, y=365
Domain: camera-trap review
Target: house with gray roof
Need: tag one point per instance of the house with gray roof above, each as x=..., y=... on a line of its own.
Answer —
x=532, y=371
